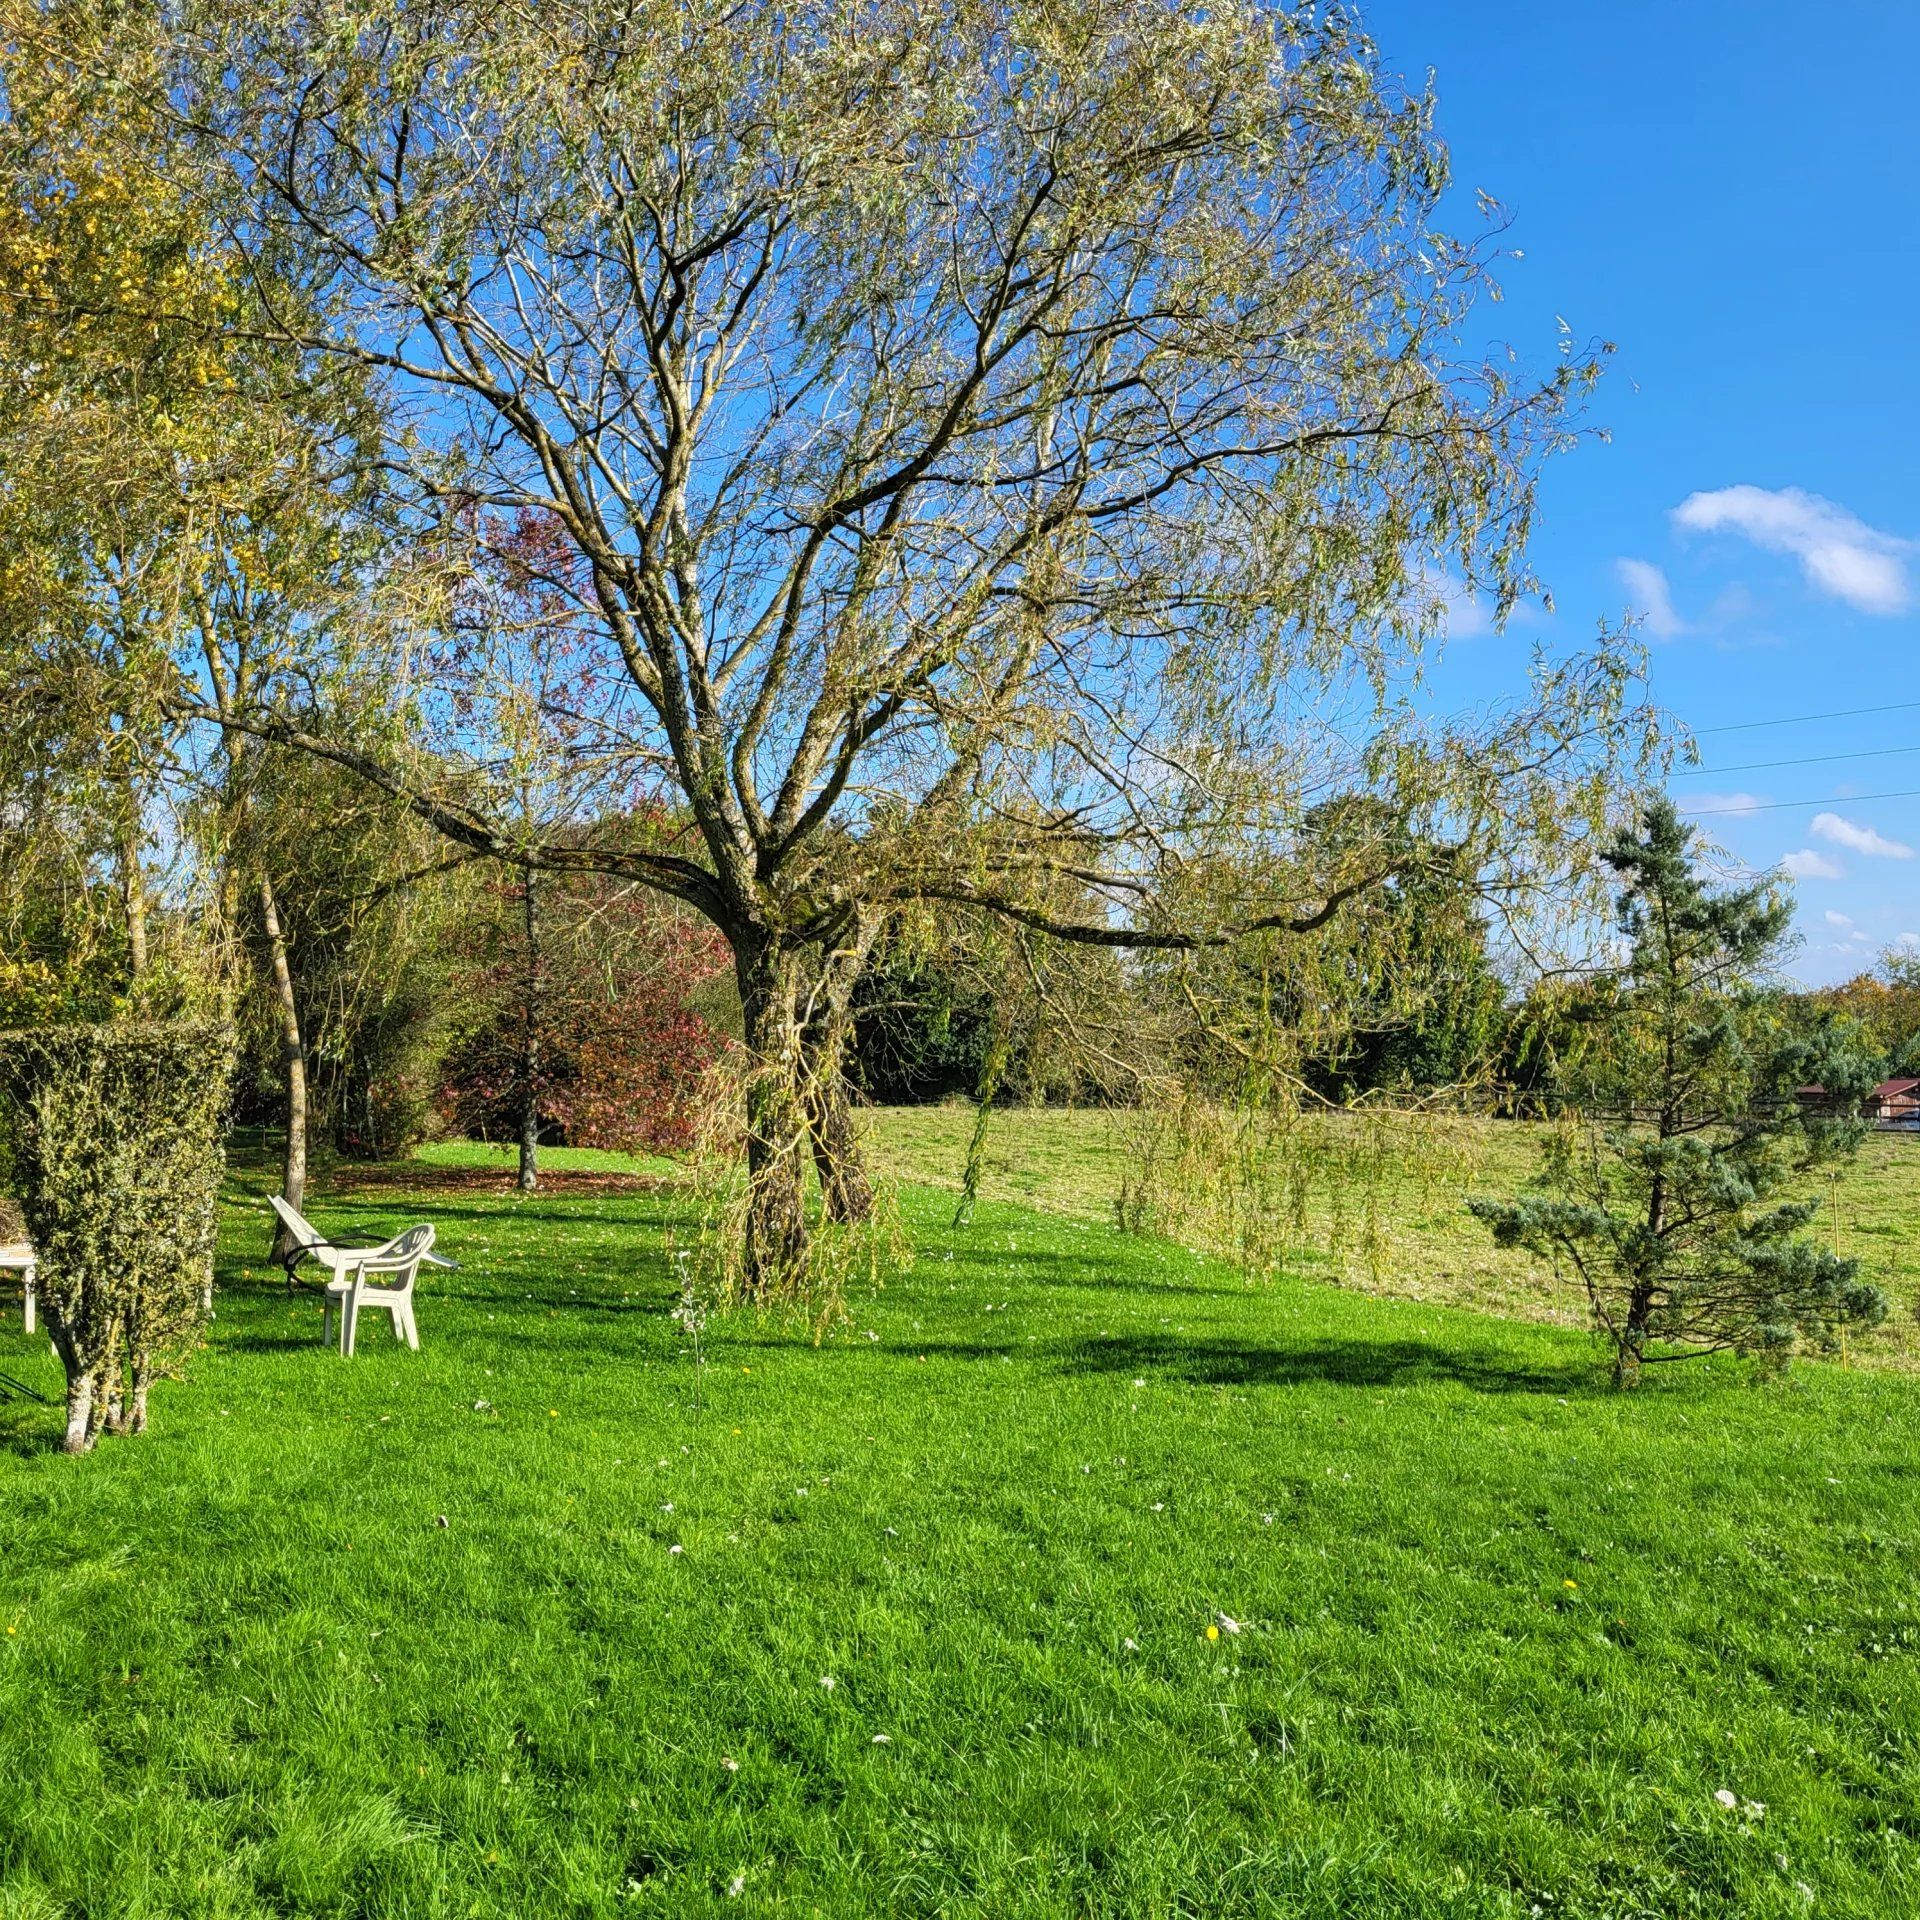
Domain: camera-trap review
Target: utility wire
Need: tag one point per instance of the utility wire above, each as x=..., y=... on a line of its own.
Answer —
x=1821, y=800
x=1800, y=719
x=1807, y=760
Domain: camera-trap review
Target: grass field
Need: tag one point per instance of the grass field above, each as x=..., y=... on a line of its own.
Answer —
x=1071, y=1163
x=539, y=1621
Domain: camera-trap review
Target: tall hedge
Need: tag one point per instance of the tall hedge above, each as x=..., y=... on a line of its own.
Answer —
x=113, y=1137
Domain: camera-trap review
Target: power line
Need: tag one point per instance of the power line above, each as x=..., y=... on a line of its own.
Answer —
x=1801, y=719
x=1822, y=800
x=1806, y=760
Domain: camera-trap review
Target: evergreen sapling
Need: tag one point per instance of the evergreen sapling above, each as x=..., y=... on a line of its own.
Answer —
x=1700, y=1109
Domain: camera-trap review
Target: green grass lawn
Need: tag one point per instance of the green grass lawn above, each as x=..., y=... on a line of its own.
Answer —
x=1432, y=1250
x=1503, y=1634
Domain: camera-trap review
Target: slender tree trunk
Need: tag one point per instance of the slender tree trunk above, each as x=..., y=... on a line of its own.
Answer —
x=293, y=1058
x=774, y=1249
x=1633, y=1336
x=80, y=1385
x=133, y=891
x=530, y=1046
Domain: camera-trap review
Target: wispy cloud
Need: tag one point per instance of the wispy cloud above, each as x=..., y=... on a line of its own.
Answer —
x=1719, y=802
x=1809, y=865
x=1652, y=597
x=1839, y=553
x=1844, y=833
x=1841, y=920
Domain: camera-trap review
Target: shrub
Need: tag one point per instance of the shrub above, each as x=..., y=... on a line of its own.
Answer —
x=114, y=1150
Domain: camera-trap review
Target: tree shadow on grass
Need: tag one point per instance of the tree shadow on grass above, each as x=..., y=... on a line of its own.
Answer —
x=1330, y=1362
x=275, y=1342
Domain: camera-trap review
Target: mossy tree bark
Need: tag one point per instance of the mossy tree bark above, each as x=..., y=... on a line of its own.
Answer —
x=774, y=1251
x=839, y=1158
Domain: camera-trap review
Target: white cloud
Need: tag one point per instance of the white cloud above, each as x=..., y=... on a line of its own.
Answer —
x=1840, y=555
x=1652, y=597
x=1808, y=865
x=1467, y=616
x=1838, y=919
x=1719, y=802
x=1843, y=833
x=1460, y=613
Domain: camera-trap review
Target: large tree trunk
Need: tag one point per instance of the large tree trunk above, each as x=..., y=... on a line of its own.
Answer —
x=846, y=1188
x=293, y=1057
x=774, y=1249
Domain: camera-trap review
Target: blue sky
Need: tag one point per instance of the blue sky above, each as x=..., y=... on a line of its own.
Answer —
x=1729, y=193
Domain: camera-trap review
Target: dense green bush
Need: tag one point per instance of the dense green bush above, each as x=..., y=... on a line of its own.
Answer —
x=113, y=1148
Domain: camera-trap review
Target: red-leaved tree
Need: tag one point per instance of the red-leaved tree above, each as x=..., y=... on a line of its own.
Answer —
x=589, y=1028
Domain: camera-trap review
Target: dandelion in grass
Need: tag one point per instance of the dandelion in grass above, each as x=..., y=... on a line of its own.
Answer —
x=1213, y=1632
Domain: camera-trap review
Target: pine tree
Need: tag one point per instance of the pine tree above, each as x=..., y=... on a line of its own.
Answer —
x=1664, y=1193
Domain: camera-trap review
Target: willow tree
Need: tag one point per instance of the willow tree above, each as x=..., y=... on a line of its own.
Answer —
x=171, y=498
x=989, y=441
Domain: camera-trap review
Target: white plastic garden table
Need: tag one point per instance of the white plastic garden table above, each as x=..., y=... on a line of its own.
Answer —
x=21, y=1258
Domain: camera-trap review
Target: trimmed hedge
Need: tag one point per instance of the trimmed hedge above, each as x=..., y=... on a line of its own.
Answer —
x=113, y=1137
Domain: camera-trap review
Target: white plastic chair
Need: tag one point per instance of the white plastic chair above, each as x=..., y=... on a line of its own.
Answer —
x=309, y=1243
x=379, y=1277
